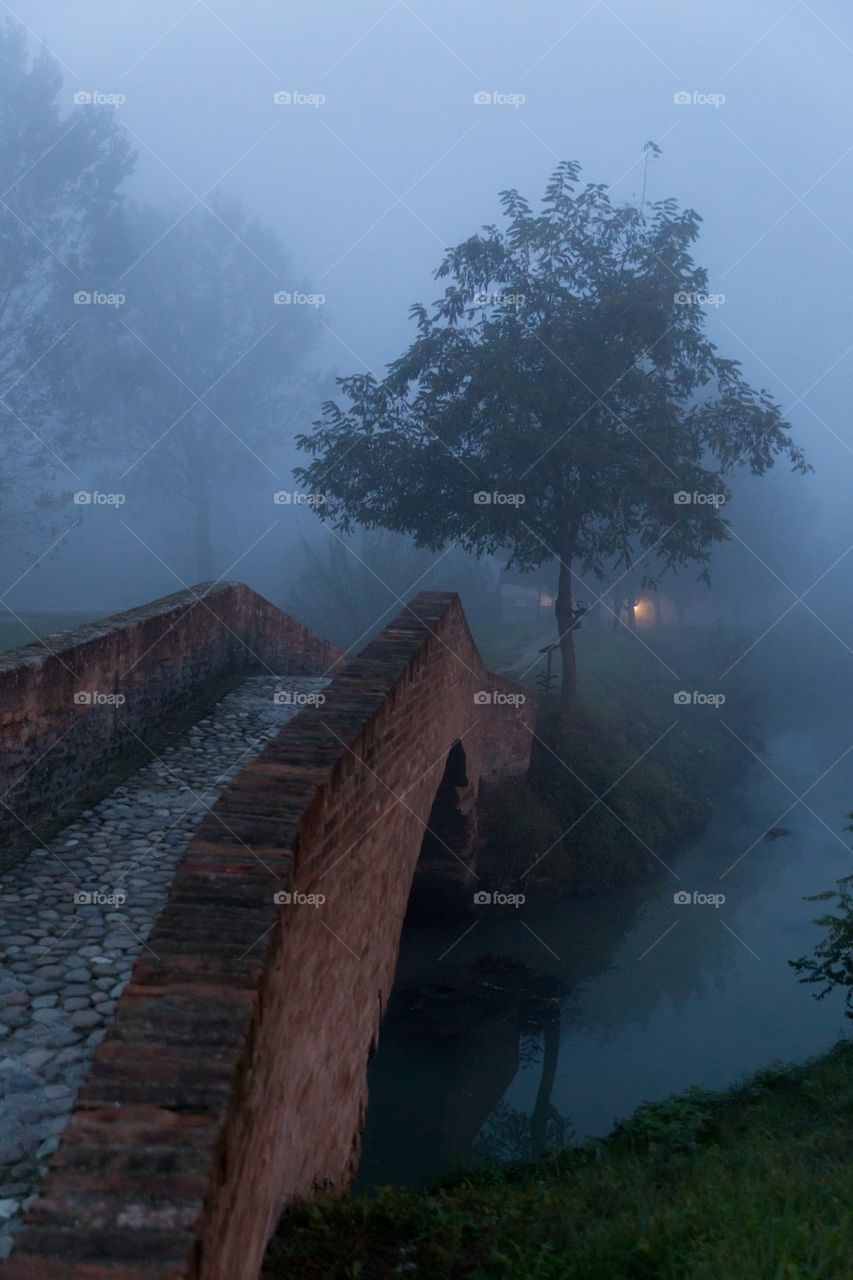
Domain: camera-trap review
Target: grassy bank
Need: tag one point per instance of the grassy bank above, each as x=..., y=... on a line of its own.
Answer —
x=637, y=774
x=751, y=1184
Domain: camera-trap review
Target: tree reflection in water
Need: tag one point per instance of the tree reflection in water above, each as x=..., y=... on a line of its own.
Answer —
x=512, y=1134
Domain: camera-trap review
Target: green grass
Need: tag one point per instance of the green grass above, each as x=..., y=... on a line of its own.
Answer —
x=660, y=767
x=751, y=1184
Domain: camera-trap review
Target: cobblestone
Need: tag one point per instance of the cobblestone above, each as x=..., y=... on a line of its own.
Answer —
x=74, y=917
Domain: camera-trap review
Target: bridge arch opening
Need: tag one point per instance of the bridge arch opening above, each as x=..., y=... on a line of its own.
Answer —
x=444, y=876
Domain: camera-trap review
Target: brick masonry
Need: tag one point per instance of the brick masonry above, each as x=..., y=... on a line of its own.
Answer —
x=234, y=1076
x=158, y=658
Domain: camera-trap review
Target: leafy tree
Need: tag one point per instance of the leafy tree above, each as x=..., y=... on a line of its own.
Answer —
x=832, y=962
x=204, y=368
x=565, y=370
x=60, y=217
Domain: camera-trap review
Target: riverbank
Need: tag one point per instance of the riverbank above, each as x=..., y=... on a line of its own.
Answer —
x=658, y=736
x=754, y=1183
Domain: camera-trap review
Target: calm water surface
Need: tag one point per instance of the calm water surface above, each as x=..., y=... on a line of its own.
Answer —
x=625, y=997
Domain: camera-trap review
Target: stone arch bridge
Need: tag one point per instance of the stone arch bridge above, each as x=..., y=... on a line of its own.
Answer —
x=227, y=1069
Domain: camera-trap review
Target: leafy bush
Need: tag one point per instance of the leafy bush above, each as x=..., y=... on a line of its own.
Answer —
x=595, y=834
x=632, y=778
x=517, y=829
x=832, y=962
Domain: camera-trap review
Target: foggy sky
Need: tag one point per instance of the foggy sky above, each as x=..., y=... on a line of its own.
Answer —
x=399, y=161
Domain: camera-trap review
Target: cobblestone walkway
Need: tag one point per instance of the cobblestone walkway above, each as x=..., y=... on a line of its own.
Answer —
x=73, y=918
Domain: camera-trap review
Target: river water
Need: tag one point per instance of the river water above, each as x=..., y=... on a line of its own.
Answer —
x=606, y=1002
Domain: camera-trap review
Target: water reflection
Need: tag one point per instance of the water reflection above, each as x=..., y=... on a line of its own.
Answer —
x=594, y=1006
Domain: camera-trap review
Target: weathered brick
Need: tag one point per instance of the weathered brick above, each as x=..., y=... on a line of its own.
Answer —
x=160, y=657
x=234, y=1076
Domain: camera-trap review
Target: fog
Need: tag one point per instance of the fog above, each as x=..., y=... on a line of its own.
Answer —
x=546, y=305
x=382, y=158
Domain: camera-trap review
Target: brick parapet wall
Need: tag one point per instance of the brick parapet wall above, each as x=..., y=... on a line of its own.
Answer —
x=234, y=1076
x=159, y=658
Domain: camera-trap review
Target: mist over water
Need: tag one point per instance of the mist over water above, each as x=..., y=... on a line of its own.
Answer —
x=654, y=995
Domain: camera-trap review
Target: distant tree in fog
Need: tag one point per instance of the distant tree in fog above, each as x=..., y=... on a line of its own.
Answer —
x=776, y=549
x=349, y=589
x=205, y=372
x=549, y=404
x=60, y=222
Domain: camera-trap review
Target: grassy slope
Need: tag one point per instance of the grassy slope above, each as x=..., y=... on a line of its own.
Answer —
x=673, y=761
x=751, y=1184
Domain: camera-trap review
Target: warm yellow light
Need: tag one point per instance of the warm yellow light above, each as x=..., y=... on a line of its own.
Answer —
x=642, y=608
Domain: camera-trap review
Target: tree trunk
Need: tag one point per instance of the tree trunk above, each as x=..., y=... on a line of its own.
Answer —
x=565, y=626
x=542, y=1108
